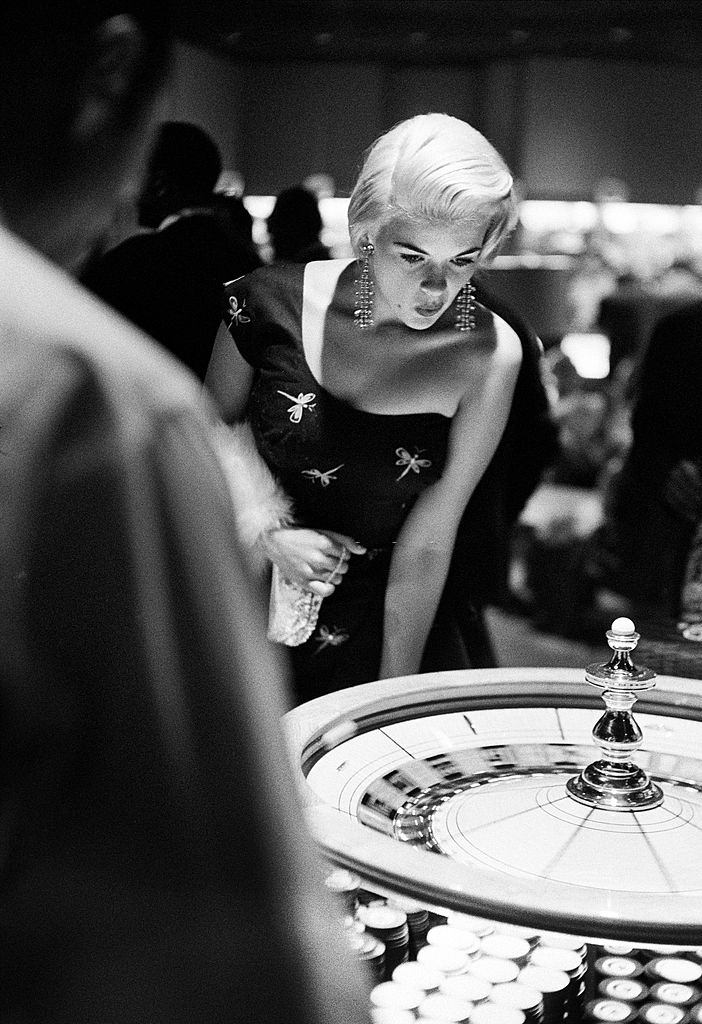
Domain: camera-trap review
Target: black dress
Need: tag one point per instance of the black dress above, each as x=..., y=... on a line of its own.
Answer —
x=360, y=473
x=346, y=469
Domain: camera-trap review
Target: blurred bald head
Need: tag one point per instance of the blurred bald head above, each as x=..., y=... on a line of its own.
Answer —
x=80, y=79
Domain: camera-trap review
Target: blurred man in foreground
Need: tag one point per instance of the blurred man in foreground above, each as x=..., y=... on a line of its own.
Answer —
x=153, y=862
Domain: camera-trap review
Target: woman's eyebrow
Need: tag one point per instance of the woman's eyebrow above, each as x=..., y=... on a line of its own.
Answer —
x=406, y=245
x=414, y=248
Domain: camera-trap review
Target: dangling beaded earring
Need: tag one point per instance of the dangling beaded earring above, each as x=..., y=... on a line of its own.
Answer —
x=465, y=307
x=363, y=313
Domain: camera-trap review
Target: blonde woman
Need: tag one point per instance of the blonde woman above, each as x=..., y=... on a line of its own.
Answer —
x=378, y=390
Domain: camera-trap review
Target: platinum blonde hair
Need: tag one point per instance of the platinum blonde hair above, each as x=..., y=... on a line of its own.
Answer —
x=436, y=168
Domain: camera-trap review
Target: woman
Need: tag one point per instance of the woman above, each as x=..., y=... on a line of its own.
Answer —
x=378, y=391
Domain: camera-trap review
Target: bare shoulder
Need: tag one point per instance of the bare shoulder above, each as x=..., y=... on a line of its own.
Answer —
x=494, y=347
x=507, y=346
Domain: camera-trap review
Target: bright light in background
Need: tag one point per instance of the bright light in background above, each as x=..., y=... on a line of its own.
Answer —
x=589, y=354
x=539, y=215
x=260, y=207
x=691, y=218
x=624, y=218
x=335, y=232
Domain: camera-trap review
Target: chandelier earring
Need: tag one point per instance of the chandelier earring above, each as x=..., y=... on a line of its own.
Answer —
x=465, y=307
x=363, y=313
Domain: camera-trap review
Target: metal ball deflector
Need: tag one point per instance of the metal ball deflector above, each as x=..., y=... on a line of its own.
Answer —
x=615, y=782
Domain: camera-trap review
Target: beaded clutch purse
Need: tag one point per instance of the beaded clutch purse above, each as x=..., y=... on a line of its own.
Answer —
x=292, y=612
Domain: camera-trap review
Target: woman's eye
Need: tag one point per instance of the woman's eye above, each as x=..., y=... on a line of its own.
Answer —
x=410, y=257
x=463, y=261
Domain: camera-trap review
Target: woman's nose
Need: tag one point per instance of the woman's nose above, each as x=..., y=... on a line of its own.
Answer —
x=434, y=281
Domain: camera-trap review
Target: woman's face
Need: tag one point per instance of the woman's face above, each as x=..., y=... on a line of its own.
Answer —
x=418, y=268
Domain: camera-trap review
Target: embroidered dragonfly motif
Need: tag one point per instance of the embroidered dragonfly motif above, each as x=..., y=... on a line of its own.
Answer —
x=324, y=478
x=410, y=462
x=238, y=312
x=329, y=637
x=300, y=403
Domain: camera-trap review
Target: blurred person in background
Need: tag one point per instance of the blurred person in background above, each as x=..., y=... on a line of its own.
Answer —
x=168, y=279
x=295, y=226
x=154, y=862
x=654, y=503
x=385, y=399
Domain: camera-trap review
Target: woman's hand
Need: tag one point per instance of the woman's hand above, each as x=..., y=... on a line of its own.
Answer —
x=315, y=560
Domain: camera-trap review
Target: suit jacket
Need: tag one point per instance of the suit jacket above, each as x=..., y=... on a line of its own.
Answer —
x=154, y=863
x=169, y=282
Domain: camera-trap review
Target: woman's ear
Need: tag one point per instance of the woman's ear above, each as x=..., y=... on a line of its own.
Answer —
x=114, y=67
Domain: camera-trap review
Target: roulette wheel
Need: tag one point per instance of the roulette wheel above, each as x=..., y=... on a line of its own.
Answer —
x=520, y=795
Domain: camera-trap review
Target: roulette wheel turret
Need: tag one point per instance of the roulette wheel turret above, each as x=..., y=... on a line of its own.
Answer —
x=615, y=782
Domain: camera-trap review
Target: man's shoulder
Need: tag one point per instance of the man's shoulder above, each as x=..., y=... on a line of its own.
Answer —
x=132, y=259
x=52, y=320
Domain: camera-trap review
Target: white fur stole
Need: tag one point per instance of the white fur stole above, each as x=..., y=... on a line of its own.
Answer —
x=260, y=503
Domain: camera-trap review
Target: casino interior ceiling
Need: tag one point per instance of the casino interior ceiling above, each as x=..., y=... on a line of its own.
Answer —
x=446, y=31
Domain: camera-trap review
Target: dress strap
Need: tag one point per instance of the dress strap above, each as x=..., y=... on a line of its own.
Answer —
x=318, y=287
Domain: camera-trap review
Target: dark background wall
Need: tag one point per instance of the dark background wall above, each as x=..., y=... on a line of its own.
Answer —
x=568, y=98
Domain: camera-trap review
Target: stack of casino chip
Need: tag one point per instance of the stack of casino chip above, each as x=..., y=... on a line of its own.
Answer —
x=366, y=948
x=392, y=1015
x=392, y=996
x=496, y=970
x=609, y=1011
x=345, y=885
x=648, y=985
x=418, y=924
x=661, y=1013
x=675, y=969
x=389, y=925
x=449, y=961
x=467, y=987
x=519, y=996
x=448, y=937
x=532, y=935
x=493, y=1013
x=469, y=970
x=554, y=986
x=446, y=1009
x=626, y=990
x=503, y=955
x=479, y=926
x=563, y=940
x=674, y=989
x=566, y=955
x=617, y=948
x=506, y=946
x=617, y=965
x=676, y=993
x=418, y=976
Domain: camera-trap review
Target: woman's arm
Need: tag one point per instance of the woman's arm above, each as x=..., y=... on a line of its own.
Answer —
x=423, y=551
x=229, y=377
x=315, y=560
